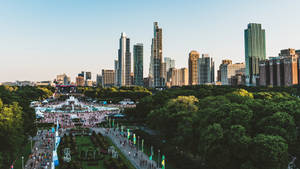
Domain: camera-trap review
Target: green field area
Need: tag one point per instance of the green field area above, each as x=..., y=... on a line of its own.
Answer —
x=90, y=152
x=84, y=143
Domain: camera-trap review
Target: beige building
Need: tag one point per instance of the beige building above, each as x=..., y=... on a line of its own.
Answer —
x=63, y=79
x=89, y=83
x=229, y=70
x=79, y=81
x=193, y=67
x=108, y=77
x=178, y=77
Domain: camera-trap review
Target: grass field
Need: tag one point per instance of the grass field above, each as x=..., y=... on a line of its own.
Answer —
x=84, y=144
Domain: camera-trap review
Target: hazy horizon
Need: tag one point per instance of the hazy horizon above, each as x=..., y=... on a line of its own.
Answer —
x=40, y=39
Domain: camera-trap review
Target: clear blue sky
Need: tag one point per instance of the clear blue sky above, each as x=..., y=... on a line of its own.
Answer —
x=42, y=38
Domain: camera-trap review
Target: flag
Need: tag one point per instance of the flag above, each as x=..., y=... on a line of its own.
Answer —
x=57, y=125
x=53, y=130
x=150, y=158
x=134, y=139
x=142, y=145
x=163, y=163
x=128, y=134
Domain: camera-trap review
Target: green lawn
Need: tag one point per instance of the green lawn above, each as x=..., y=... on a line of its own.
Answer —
x=84, y=143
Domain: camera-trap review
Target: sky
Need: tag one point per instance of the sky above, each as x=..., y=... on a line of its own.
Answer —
x=42, y=38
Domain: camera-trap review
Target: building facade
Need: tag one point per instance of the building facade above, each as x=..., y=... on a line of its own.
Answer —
x=206, y=70
x=79, y=81
x=156, y=71
x=193, y=67
x=229, y=70
x=138, y=55
x=255, y=50
x=108, y=78
x=280, y=71
x=99, y=80
x=170, y=63
x=178, y=77
x=88, y=75
x=63, y=79
x=124, y=61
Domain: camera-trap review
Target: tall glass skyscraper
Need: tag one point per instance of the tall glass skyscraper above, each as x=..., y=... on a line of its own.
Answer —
x=138, y=52
x=255, y=50
x=156, y=58
x=206, y=70
x=124, y=61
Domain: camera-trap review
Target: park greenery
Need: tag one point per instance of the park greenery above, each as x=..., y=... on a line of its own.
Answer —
x=114, y=94
x=17, y=119
x=89, y=152
x=221, y=127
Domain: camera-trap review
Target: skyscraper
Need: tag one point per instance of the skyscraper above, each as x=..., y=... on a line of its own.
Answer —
x=178, y=77
x=170, y=63
x=229, y=70
x=108, y=78
x=255, y=50
x=193, y=67
x=124, y=61
x=138, y=53
x=206, y=70
x=88, y=75
x=116, y=72
x=156, y=57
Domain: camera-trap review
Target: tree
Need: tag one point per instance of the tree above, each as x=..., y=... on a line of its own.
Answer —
x=269, y=152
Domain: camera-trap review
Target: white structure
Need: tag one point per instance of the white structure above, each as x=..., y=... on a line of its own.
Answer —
x=124, y=61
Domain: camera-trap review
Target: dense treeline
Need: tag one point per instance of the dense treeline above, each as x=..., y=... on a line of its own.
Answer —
x=115, y=94
x=17, y=118
x=221, y=127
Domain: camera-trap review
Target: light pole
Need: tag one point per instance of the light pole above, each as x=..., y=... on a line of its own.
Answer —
x=22, y=162
x=138, y=143
x=158, y=158
x=31, y=144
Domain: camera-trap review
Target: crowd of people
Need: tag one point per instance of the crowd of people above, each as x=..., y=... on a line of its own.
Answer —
x=41, y=156
x=131, y=150
x=70, y=120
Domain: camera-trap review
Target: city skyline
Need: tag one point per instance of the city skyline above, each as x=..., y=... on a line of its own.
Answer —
x=41, y=40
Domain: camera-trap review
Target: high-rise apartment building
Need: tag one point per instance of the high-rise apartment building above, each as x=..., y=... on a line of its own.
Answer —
x=116, y=66
x=138, y=54
x=193, y=67
x=124, y=61
x=255, y=50
x=178, y=77
x=63, y=79
x=229, y=70
x=79, y=81
x=280, y=71
x=156, y=70
x=99, y=80
x=206, y=70
x=170, y=63
x=108, y=78
x=88, y=75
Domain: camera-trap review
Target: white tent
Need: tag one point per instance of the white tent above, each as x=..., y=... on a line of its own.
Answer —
x=73, y=116
x=39, y=114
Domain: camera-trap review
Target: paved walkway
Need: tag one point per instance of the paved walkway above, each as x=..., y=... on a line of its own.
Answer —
x=41, y=156
x=139, y=159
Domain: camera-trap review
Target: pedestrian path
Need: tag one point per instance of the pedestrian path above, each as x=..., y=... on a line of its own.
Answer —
x=41, y=156
x=137, y=158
